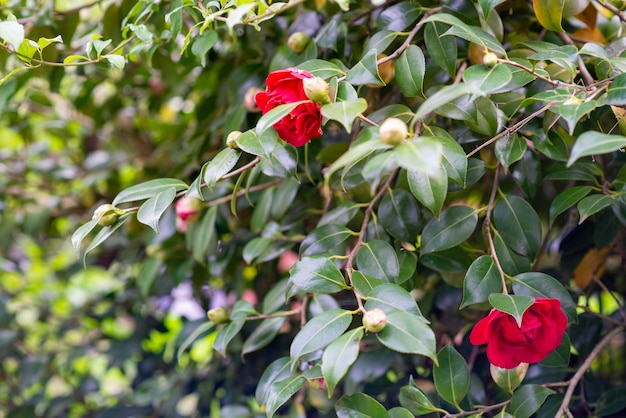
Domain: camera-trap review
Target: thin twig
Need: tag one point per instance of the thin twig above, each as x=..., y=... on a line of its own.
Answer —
x=554, y=83
x=487, y=226
x=477, y=411
x=617, y=12
x=581, y=65
x=243, y=192
x=583, y=369
x=242, y=168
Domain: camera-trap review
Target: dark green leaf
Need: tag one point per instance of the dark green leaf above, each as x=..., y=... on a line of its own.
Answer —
x=262, y=335
x=202, y=44
x=79, y=235
x=416, y=401
x=344, y=112
x=151, y=210
x=511, y=262
x=481, y=280
x=527, y=399
x=339, y=356
x=408, y=333
x=324, y=239
x=399, y=412
x=488, y=79
x=442, y=49
x=226, y=335
x=457, y=223
x=430, y=190
x=378, y=259
x=540, y=285
x=593, y=204
x=221, y=164
x=320, y=331
x=280, y=392
x=594, y=143
x=410, y=70
x=380, y=41
x=514, y=305
x=518, y=224
x=560, y=356
x=341, y=215
x=364, y=284
x=510, y=149
x=365, y=71
x=359, y=405
x=278, y=370
x=389, y=297
x=200, y=329
x=566, y=199
x=317, y=275
x=616, y=93
x=572, y=113
x=399, y=215
x=202, y=236
x=467, y=32
x=321, y=68
x=451, y=375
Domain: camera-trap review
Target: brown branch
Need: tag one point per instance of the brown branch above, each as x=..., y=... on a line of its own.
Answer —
x=478, y=411
x=564, y=408
x=487, y=226
x=243, y=192
x=617, y=12
x=581, y=65
x=242, y=168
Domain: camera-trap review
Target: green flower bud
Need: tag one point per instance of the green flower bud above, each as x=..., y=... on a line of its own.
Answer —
x=393, y=131
x=107, y=214
x=509, y=379
x=298, y=41
x=218, y=316
x=375, y=320
x=316, y=89
x=490, y=59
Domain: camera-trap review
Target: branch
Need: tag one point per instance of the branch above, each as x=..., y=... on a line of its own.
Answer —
x=478, y=411
x=243, y=192
x=487, y=226
x=564, y=408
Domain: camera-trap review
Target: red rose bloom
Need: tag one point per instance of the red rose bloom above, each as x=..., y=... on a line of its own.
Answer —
x=508, y=345
x=304, y=122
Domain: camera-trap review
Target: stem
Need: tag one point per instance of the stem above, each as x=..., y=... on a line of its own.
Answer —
x=487, y=226
x=242, y=168
x=240, y=193
x=276, y=314
x=288, y=6
x=409, y=37
x=478, y=411
x=617, y=12
x=554, y=83
x=564, y=408
x=589, y=81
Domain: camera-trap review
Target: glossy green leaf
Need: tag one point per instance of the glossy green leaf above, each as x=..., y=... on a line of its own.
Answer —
x=559, y=357
x=454, y=160
x=151, y=210
x=469, y=33
x=410, y=71
x=255, y=144
x=148, y=189
x=452, y=260
x=357, y=152
x=487, y=6
x=399, y=412
x=594, y=143
x=378, y=259
x=456, y=224
x=616, y=93
x=202, y=236
x=320, y=331
x=324, y=239
x=79, y=235
x=510, y=149
x=389, y=297
x=339, y=356
x=226, y=335
x=262, y=335
x=549, y=13
x=365, y=71
x=572, y=113
x=511, y=262
x=220, y=165
x=359, y=405
x=420, y=154
x=540, y=285
x=321, y=68
x=202, y=44
x=275, y=298
x=344, y=112
x=380, y=41
x=341, y=215
x=278, y=370
x=527, y=399
x=276, y=114
x=416, y=401
x=280, y=392
x=518, y=224
x=481, y=280
x=317, y=275
x=442, y=49
x=451, y=375
x=200, y=329
x=443, y=96
x=566, y=199
x=593, y=204
x=363, y=283
x=488, y=79
x=399, y=214
x=399, y=16
x=429, y=190
x=104, y=234
x=408, y=333
x=514, y=305
x=282, y=161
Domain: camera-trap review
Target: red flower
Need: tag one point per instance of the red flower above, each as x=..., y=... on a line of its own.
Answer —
x=188, y=210
x=508, y=345
x=304, y=122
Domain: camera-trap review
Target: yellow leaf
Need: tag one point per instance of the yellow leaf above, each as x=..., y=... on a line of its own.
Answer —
x=589, y=35
x=549, y=13
x=589, y=16
x=591, y=266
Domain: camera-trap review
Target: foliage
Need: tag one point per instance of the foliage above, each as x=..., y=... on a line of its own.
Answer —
x=511, y=180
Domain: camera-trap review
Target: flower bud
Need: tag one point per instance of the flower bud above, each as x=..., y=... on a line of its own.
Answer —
x=218, y=316
x=298, y=41
x=509, y=379
x=316, y=89
x=249, y=99
x=393, y=131
x=231, y=139
x=188, y=210
x=490, y=59
x=375, y=320
x=107, y=214
x=317, y=383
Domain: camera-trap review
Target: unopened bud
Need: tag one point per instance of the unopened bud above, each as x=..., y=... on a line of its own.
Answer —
x=298, y=41
x=490, y=59
x=317, y=383
x=107, y=214
x=218, y=316
x=249, y=99
x=375, y=320
x=188, y=210
x=509, y=379
x=231, y=139
x=316, y=89
x=393, y=131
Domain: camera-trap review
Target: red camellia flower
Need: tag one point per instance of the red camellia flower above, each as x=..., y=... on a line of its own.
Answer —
x=508, y=345
x=304, y=122
x=188, y=210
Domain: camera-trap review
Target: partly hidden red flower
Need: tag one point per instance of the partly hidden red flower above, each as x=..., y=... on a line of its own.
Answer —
x=508, y=345
x=305, y=121
x=188, y=210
